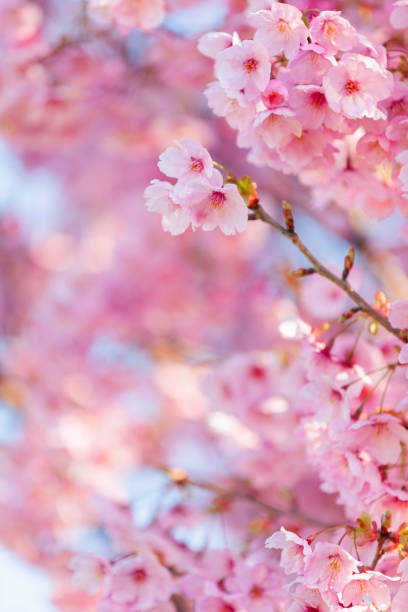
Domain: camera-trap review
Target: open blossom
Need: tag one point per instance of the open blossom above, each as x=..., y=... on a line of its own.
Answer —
x=254, y=587
x=187, y=158
x=90, y=573
x=159, y=196
x=243, y=67
x=368, y=587
x=212, y=204
x=381, y=435
x=275, y=94
x=333, y=32
x=141, y=581
x=276, y=127
x=294, y=549
x=280, y=29
x=329, y=567
x=355, y=86
x=310, y=65
x=238, y=111
x=312, y=110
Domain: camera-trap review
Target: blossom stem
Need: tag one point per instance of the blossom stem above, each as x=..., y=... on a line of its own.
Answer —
x=259, y=213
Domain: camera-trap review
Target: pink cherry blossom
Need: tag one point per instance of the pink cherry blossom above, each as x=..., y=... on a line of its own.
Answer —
x=212, y=204
x=329, y=566
x=333, y=32
x=159, y=196
x=310, y=65
x=238, y=111
x=243, y=67
x=141, y=581
x=276, y=127
x=294, y=549
x=90, y=573
x=275, y=94
x=188, y=158
x=381, y=436
x=355, y=86
x=312, y=110
x=368, y=587
x=280, y=29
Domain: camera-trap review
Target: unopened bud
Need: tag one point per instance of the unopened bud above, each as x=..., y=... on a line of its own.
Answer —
x=300, y=272
x=288, y=216
x=348, y=262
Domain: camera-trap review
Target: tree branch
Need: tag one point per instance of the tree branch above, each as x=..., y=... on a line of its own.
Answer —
x=259, y=213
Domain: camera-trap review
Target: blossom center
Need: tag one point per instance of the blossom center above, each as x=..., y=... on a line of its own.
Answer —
x=139, y=575
x=317, y=99
x=196, y=165
x=250, y=64
x=351, y=87
x=283, y=26
x=217, y=199
x=256, y=591
x=330, y=31
x=334, y=564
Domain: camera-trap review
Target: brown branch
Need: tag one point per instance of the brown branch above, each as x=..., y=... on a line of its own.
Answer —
x=259, y=213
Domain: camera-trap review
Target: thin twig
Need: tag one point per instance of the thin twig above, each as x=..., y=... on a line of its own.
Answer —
x=259, y=213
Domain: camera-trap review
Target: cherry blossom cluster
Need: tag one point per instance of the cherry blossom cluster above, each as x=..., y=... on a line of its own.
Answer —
x=197, y=423
x=200, y=197
x=330, y=578
x=312, y=96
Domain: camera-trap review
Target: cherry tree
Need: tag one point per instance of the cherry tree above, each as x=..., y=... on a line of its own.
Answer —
x=205, y=356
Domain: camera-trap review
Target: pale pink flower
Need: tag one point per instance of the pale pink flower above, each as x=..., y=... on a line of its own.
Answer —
x=310, y=65
x=256, y=587
x=243, y=67
x=212, y=204
x=399, y=314
x=294, y=549
x=276, y=127
x=329, y=566
x=159, y=196
x=187, y=159
x=355, y=86
x=381, y=435
x=212, y=43
x=280, y=29
x=275, y=94
x=333, y=32
x=311, y=108
x=367, y=587
x=89, y=573
x=140, y=580
x=308, y=600
x=399, y=14
x=237, y=110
